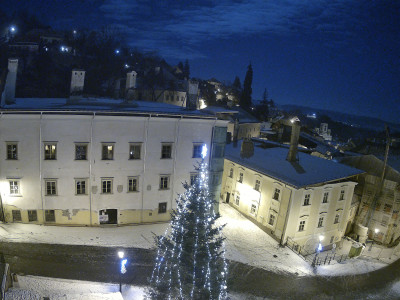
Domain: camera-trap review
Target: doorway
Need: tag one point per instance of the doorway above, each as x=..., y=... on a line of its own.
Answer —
x=108, y=216
x=228, y=195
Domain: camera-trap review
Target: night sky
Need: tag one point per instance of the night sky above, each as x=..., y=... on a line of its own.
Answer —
x=338, y=55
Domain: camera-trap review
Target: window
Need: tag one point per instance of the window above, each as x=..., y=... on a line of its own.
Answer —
x=215, y=179
x=218, y=150
x=332, y=237
x=336, y=219
x=107, y=152
x=12, y=151
x=231, y=173
x=80, y=152
x=320, y=221
x=14, y=187
x=387, y=208
x=301, y=225
x=257, y=185
x=51, y=187
x=325, y=198
x=193, y=178
x=307, y=199
x=16, y=214
x=106, y=185
x=50, y=215
x=341, y=195
x=80, y=186
x=50, y=151
x=240, y=177
x=197, y=150
x=162, y=207
x=253, y=209
x=237, y=200
x=132, y=184
x=164, y=182
x=276, y=194
x=32, y=215
x=271, y=219
x=166, y=151
x=134, y=151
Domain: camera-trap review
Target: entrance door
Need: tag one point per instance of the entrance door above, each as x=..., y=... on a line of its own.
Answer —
x=228, y=195
x=108, y=216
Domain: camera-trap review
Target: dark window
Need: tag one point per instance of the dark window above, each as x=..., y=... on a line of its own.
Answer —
x=271, y=220
x=336, y=219
x=16, y=214
x=106, y=186
x=107, y=152
x=237, y=200
x=241, y=178
x=164, y=182
x=50, y=151
x=32, y=215
x=80, y=152
x=14, y=187
x=307, y=199
x=80, y=187
x=231, y=173
x=51, y=187
x=193, y=178
x=50, y=215
x=257, y=185
x=301, y=225
x=320, y=221
x=325, y=199
x=166, y=151
x=134, y=151
x=218, y=150
x=12, y=151
x=276, y=194
x=341, y=195
x=197, y=151
x=162, y=207
x=132, y=184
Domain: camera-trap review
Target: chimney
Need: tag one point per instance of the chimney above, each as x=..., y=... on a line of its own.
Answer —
x=130, y=80
x=247, y=149
x=294, y=140
x=192, y=100
x=77, y=83
x=11, y=80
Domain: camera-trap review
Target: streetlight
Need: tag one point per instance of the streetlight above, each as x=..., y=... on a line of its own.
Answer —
x=117, y=51
x=122, y=269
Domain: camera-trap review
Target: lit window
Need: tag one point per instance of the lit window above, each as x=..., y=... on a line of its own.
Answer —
x=320, y=221
x=107, y=152
x=257, y=185
x=132, y=184
x=325, y=199
x=341, y=195
x=276, y=194
x=193, y=178
x=14, y=187
x=237, y=200
x=162, y=207
x=134, y=151
x=307, y=199
x=80, y=152
x=166, y=151
x=164, y=182
x=80, y=187
x=12, y=151
x=240, y=177
x=301, y=225
x=106, y=186
x=231, y=173
x=336, y=219
x=197, y=150
x=51, y=187
x=50, y=151
x=271, y=219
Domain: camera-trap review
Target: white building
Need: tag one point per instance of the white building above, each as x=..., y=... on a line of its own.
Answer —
x=324, y=132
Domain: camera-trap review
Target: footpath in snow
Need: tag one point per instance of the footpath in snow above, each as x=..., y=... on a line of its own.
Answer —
x=245, y=243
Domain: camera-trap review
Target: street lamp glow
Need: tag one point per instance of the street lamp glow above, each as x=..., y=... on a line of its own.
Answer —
x=116, y=51
x=204, y=151
x=121, y=254
x=376, y=230
x=74, y=32
x=13, y=29
x=321, y=238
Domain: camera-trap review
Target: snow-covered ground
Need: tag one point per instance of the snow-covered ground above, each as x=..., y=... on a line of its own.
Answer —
x=245, y=242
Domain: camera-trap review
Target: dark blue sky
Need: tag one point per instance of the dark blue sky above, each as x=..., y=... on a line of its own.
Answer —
x=339, y=55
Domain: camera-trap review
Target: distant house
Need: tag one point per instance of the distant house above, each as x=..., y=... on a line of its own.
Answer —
x=294, y=196
x=324, y=132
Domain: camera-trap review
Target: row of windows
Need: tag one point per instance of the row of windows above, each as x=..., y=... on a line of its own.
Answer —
x=167, y=97
x=302, y=224
x=107, y=151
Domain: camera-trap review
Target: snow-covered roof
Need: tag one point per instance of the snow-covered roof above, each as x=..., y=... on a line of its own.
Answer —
x=307, y=171
x=219, y=110
x=102, y=105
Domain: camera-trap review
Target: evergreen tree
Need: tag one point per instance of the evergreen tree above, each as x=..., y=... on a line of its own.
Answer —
x=236, y=84
x=186, y=69
x=265, y=96
x=190, y=261
x=245, y=99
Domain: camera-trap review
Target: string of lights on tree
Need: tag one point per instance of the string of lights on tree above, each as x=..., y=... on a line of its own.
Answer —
x=190, y=262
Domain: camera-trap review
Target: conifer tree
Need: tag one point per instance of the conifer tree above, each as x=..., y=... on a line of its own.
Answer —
x=245, y=99
x=190, y=261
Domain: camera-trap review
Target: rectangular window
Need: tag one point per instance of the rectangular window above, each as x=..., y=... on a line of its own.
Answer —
x=325, y=198
x=132, y=184
x=134, y=151
x=16, y=214
x=215, y=179
x=193, y=178
x=307, y=199
x=32, y=215
x=51, y=187
x=257, y=185
x=12, y=151
x=166, y=151
x=387, y=208
x=320, y=221
x=50, y=215
x=14, y=187
x=80, y=152
x=341, y=195
x=80, y=186
x=164, y=182
x=253, y=209
x=106, y=185
x=107, y=152
x=231, y=173
x=271, y=220
x=237, y=200
x=50, y=151
x=336, y=219
x=197, y=148
x=276, y=194
x=162, y=207
x=240, y=177
x=301, y=225
x=218, y=150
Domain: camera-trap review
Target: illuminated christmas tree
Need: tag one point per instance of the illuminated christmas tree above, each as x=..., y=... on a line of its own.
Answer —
x=190, y=261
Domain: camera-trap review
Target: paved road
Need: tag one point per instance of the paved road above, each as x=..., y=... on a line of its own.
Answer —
x=101, y=264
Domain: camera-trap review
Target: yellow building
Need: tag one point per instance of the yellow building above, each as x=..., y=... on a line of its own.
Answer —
x=297, y=200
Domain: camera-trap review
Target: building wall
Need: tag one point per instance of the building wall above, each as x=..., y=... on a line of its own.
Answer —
x=177, y=98
x=245, y=130
x=289, y=209
x=31, y=131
